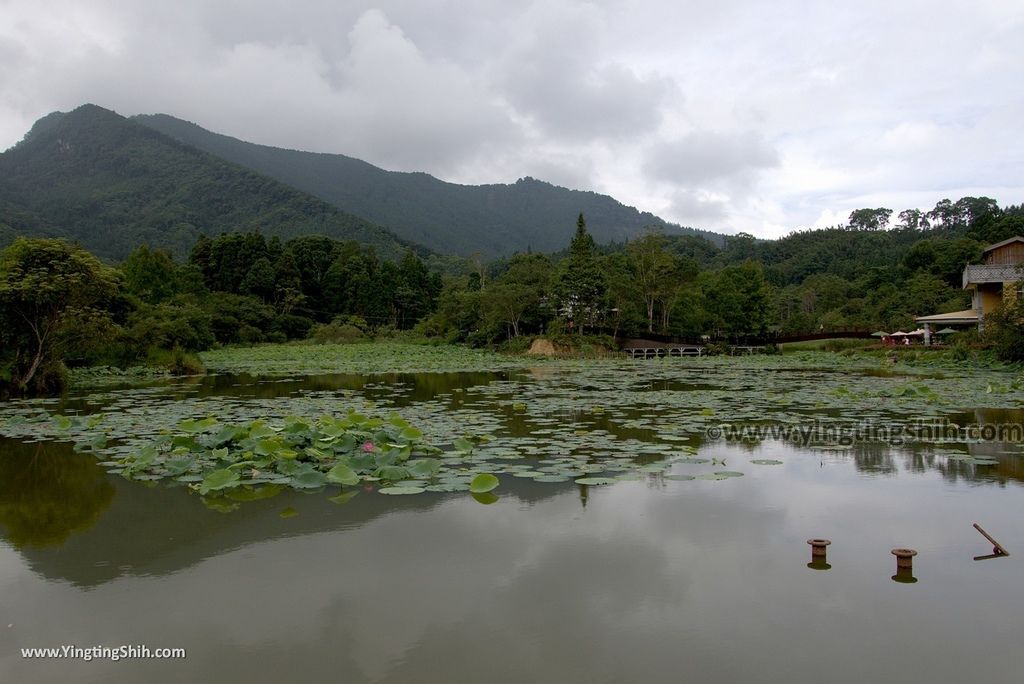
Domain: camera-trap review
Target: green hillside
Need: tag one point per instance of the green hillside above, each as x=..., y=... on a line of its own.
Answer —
x=16, y=220
x=112, y=184
x=494, y=220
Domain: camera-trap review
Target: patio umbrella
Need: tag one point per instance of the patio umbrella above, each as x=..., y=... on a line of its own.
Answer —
x=945, y=331
x=898, y=333
x=880, y=333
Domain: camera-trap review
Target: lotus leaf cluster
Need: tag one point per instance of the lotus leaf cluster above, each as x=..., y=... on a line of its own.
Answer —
x=297, y=453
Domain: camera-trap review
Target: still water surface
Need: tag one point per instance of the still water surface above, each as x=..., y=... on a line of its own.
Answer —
x=652, y=580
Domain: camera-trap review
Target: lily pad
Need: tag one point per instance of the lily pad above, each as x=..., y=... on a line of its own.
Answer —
x=596, y=480
x=344, y=497
x=482, y=483
x=218, y=479
x=343, y=475
x=309, y=479
x=486, y=498
x=401, y=491
x=550, y=478
x=448, y=487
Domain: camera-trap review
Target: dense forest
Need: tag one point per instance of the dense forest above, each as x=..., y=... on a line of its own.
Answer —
x=61, y=305
x=126, y=245
x=494, y=220
x=860, y=276
x=111, y=184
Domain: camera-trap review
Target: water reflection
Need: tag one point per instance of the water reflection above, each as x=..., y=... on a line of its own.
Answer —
x=152, y=530
x=904, y=576
x=653, y=581
x=881, y=459
x=48, y=493
x=650, y=580
x=50, y=496
x=406, y=387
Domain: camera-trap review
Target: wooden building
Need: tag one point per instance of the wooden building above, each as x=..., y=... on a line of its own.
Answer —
x=999, y=278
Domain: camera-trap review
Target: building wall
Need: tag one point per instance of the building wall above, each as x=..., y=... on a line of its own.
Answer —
x=1010, y=254
x=991, y=295
x=1010, y=292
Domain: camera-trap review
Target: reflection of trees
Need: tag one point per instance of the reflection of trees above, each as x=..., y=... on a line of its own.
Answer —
x=48, y=492
x=919, y=461
x=403, y=388
x=887, y=460
x=873, y=458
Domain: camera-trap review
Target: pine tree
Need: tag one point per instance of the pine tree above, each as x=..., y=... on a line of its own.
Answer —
x=580, y=287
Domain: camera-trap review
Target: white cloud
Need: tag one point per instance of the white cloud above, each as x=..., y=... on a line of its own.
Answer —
x=708, y=157
x=811, y=109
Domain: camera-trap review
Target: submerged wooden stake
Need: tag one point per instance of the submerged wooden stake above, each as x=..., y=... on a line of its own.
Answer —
x=997, y=548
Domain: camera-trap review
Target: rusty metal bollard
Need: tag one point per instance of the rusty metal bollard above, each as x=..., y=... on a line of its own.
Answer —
x=904, y=566
x=904, y=558
x=819, y=554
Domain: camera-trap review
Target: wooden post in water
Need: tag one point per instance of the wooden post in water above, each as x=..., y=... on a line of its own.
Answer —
x=997, y=548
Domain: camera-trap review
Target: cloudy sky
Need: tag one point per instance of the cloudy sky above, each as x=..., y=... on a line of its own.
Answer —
x=754, y=116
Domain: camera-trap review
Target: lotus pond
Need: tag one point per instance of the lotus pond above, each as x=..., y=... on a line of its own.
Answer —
x=403, y=513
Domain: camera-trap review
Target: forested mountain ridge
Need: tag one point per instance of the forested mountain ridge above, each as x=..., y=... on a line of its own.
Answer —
x=943, y=240
x=111, y=184
x=494, y=220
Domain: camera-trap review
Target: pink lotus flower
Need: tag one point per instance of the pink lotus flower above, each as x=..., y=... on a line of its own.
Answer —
x=368, y=447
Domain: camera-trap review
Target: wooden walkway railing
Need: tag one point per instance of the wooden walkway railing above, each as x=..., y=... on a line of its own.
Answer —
x=656, y=346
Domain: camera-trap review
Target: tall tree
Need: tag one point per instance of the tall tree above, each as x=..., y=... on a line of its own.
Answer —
x=313, y=255
x=870, y=219
x=659, y=274
x=652, y=266
x=151, y=274
x=623, y=295
x=913, y=219
x=51, y=294
x=518, y=293
x=579, y=285
x=416, y=291
x=737, y=298
x=259, y=280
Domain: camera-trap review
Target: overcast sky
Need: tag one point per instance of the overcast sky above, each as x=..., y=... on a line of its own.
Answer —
x=754, y=116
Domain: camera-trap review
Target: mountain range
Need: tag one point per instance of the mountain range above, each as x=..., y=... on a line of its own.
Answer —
x=494, y=220
x=112, y=183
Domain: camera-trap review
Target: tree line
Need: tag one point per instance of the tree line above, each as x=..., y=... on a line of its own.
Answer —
x=60, y=305
x=862, y=275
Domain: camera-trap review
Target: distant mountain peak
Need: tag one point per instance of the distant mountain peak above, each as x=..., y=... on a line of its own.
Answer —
x=493, y=219
x=111, y=184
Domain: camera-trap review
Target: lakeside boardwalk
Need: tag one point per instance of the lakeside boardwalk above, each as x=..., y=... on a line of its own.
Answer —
x=662, y=351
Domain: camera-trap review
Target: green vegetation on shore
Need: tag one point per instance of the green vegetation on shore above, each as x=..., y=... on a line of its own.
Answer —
x=61, y=306
x=265, y=265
